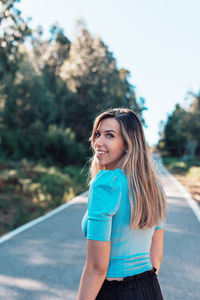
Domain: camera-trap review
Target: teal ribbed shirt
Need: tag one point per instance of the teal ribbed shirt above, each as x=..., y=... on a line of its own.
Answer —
x=107, y=219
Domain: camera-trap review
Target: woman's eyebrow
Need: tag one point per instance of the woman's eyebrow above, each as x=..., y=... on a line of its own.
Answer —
x=108, y=130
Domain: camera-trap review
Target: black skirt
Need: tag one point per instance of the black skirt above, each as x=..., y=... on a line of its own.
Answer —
x=143, y=286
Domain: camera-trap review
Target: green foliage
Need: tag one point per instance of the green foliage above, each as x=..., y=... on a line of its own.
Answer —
x=50, y=93
x=14, y=31
x=56, y=146
x=91, y=73
x=28, y=190
x=60, y=146
x=180, y=136
x=63, y=85
x=193, y=123
x=175, y=139
x=175, y=165
x=78, y=176
x=190, y=168
x=52, y=188
x=9, y=143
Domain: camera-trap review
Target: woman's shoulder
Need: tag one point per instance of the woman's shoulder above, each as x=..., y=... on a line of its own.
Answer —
x=109, y=176
x=105, y=193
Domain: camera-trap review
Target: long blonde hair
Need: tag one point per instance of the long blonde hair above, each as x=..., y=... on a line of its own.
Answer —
x=147, y=200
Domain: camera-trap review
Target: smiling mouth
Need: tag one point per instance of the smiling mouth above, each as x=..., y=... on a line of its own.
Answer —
x=100, y=153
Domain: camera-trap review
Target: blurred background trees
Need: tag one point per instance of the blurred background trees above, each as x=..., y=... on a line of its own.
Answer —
x=180, y=135
x=51, y=90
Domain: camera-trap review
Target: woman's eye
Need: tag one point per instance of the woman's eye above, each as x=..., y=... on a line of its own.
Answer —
x=97, y=134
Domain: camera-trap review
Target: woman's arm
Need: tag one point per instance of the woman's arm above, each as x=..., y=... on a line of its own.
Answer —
x=95, y=269
x=156, y=251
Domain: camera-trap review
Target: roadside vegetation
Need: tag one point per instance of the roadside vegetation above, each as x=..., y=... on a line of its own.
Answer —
x=179, y=143
x=50, y=92
x=51, y=89
x=30, y=189
x=187, y=172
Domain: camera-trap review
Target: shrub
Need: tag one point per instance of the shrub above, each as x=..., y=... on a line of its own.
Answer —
x=62, y=148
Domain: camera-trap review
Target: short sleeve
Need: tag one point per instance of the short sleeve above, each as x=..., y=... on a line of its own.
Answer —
x=103, y=202
x=160, y=225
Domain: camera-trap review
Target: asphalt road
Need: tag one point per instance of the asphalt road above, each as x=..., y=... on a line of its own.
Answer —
x=45, y=262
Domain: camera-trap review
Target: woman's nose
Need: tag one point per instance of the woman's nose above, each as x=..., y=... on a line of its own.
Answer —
x=98, y=142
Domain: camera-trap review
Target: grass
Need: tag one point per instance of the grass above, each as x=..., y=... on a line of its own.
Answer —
x=187, y=172
x=179, y=166
x=29, y=190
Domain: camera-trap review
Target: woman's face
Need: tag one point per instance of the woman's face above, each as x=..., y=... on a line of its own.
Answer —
x=109, y=145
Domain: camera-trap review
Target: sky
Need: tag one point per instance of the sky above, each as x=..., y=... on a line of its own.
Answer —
x=156, y=40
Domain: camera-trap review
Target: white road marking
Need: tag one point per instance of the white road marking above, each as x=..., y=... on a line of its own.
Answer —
x=38, y=220
x=192, y=203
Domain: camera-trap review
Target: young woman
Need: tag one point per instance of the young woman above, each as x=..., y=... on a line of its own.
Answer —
x=125, y=216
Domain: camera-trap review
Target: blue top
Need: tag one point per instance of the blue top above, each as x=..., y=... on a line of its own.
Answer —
x=108, y=219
